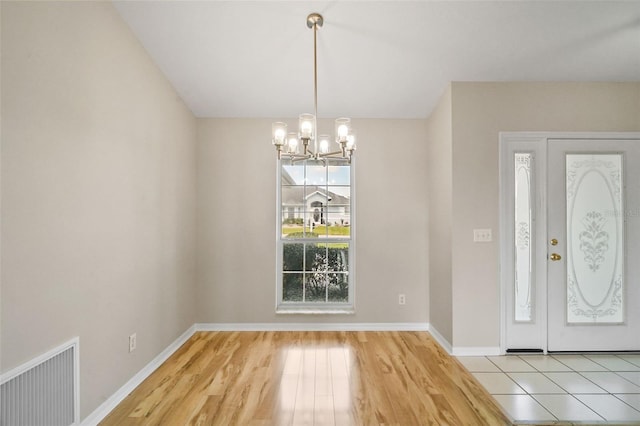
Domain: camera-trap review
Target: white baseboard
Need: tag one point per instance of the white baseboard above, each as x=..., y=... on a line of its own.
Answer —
x=105, y=408
x=440, y=339
x=385, y=326
x=463, y=350
x=476, y=351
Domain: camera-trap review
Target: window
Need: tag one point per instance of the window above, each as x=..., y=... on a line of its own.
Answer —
x=315, y=236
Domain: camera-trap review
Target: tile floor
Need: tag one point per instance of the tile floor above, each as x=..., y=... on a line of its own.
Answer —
x=579, y=389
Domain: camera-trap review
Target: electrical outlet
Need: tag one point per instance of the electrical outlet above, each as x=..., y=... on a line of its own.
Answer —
x=132, y=342
x=482, y=236
x=401, y=299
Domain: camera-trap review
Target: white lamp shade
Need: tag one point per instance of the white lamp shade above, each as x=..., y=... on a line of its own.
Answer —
x=279, y=132
x=343, y=127
x=307, y=126
x=351, y=141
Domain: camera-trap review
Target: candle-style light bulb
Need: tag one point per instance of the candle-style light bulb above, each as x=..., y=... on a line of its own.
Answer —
x=324, y=144
x=292, y=143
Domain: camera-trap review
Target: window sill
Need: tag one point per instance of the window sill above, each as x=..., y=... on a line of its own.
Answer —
x=312, y=311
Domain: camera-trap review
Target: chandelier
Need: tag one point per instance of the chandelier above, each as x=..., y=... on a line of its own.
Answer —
x=314, y=147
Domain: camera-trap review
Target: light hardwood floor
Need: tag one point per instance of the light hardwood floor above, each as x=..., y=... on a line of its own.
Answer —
x=309, y=378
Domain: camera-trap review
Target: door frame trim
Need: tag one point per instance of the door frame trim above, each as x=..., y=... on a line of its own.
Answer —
x=506, y=141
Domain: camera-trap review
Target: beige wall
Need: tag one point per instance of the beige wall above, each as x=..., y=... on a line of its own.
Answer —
x=440, y=165
x=480, y=111
x=98, y=194
x=236, y=222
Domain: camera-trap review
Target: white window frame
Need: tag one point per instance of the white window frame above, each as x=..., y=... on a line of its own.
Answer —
x=315, y=307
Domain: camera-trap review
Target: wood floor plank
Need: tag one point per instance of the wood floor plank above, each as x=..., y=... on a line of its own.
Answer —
x=309, y=378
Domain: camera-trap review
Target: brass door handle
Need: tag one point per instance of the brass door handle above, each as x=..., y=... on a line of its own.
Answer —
x=555, y=257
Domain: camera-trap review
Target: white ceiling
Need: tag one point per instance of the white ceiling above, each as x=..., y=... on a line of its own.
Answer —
x=384, y=59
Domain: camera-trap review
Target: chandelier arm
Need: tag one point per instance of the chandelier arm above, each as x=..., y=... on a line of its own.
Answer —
x=332, y=155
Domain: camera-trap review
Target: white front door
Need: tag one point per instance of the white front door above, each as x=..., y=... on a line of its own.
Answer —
x=593, y=270
x=570, y=242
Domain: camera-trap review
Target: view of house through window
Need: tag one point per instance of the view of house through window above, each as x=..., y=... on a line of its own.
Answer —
x=315, y=234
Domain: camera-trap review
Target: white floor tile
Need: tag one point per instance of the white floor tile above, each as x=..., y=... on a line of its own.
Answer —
x=565, y=388
x=567, y=408
x=524, y=408
x=632, y=358
x=579, y=363
x=632, y=376
x=511, y=364
x=544, y=363
x=574, y=383
x=535, y=383
x=631, y=399
x=611, y=408
x=498, y=383
x=613, y=363
x=478, y=364
x=611, y=382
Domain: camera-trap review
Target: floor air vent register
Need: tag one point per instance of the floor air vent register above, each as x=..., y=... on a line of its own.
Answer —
x=43, y=391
